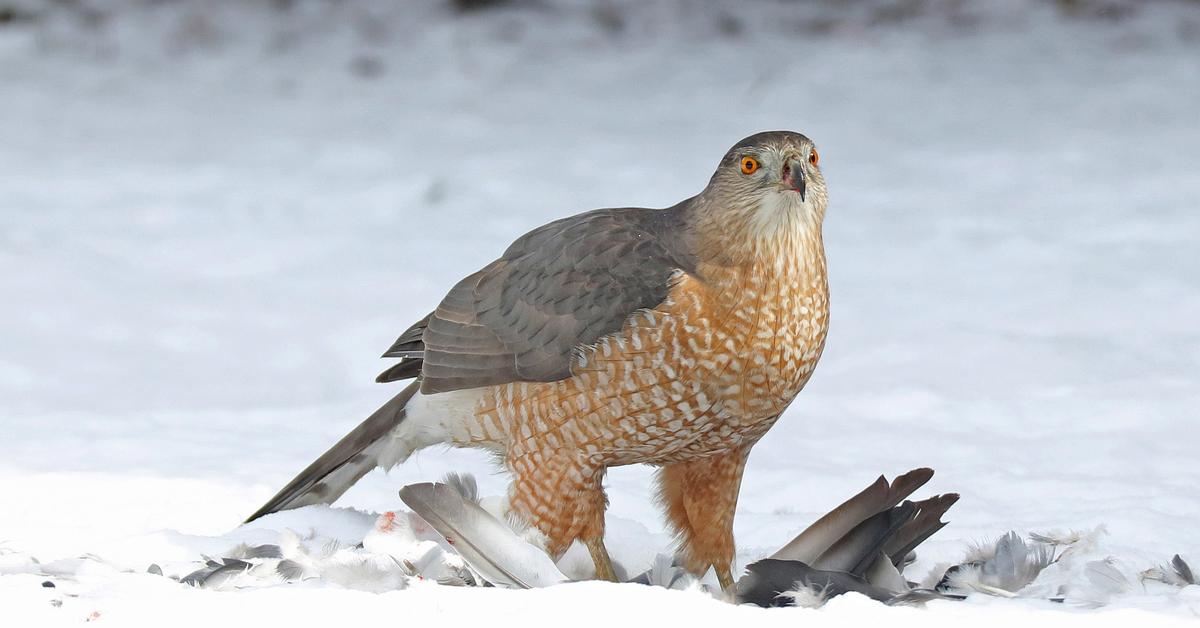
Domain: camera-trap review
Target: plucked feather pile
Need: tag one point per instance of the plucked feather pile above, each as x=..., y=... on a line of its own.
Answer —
x=863, y=546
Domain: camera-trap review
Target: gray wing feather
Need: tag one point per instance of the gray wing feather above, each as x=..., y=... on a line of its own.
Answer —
x=491, y=548
x=884, y=574
x=914, y=532
x=879, y=496
x=410, y=341
x=852, y=547
x=559, y=287
x=854, y=552
x=768, y=578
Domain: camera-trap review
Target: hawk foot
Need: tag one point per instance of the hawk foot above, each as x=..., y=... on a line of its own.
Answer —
x=604, y=568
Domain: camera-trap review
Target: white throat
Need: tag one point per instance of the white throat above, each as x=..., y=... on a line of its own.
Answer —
x=782, y=218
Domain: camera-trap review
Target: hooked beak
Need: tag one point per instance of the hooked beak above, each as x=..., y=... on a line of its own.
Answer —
x=793, y=176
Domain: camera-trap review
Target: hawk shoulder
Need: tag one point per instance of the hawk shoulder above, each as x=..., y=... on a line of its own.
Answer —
x=560, y=286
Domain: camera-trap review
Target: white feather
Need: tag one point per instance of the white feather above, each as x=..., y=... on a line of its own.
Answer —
x=807, y=596
x=491, y=548
x=429, y=420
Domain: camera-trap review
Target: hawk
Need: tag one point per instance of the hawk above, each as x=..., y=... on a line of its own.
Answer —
x=671, y=337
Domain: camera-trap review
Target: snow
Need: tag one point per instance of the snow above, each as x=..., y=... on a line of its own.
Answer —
x=213, y=216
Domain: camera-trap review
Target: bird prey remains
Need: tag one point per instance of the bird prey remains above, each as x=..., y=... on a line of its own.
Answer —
x=673, y=337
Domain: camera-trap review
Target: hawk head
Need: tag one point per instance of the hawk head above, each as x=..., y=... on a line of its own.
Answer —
x=767, y=191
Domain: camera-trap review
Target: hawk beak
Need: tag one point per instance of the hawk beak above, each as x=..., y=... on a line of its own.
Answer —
x=793, y=176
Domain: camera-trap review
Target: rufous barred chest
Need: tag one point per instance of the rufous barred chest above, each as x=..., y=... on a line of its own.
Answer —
x=707, y=372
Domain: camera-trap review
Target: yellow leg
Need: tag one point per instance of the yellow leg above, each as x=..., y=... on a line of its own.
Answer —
x=604, y=568
x=725, y=577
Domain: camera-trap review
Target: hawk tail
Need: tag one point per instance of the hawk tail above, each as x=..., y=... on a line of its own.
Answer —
x=357, y=453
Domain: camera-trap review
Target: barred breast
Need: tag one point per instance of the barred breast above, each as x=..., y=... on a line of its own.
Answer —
x=710, y=369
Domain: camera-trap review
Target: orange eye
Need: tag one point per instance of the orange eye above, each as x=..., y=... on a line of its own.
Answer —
x=749, y=165
x=813, y=157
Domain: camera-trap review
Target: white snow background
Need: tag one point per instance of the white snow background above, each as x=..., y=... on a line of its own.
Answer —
x=215, y=215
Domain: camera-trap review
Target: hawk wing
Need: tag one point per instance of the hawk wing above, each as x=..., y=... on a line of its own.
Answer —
x=558, y=287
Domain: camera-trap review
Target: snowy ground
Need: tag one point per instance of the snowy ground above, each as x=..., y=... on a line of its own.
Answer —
x=211, y=223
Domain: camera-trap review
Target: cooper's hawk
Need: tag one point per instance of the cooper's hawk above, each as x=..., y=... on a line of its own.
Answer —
x=673, y=337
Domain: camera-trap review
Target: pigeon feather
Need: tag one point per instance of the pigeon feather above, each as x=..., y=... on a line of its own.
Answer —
x=491, y=548
x=923, y=525
x=464, y=483
x=879, y=496
x=768, y=582
x=854, y=552
x=1001, y=569
x=1183, y=570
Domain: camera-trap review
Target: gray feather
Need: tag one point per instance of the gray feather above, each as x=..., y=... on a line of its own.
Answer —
x=666, y=571
x=1183, y=570
x=883, y=574
x=767, y=579
x=1016, y=564
x=323, y=481
x=854, y=552
x=465, y=484
x=1011, y=566
x=922, y=526
x=491, y=548
x=197, y=577
x=289, y=570
x=248, y=552
x=216, y=573
x=409, y=344
x=852, y=547
x=456, y=580
x=557, y=288
x=917, y=597
x=879, y=496
x=1176, y=572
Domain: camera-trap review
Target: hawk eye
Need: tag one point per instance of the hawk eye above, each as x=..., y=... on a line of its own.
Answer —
x=813, y=157
x=749, y=165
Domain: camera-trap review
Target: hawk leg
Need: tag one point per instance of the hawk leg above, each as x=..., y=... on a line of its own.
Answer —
x=700, y=497
x=563, y=497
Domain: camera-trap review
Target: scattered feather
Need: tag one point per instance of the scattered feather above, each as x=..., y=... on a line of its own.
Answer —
x=1105, y=577
x=1072, y=542
x=1176, y=573
x=935, y=576
x=665, y=572
x=919, y=596
x=247, y=552
x=216, y=573
x=806, y=596
x=465, y=484
x=1183, y=570
x=1002, y=569
x=290, y=570
x=490, y=547
x=766, y=580
x=882, y=573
